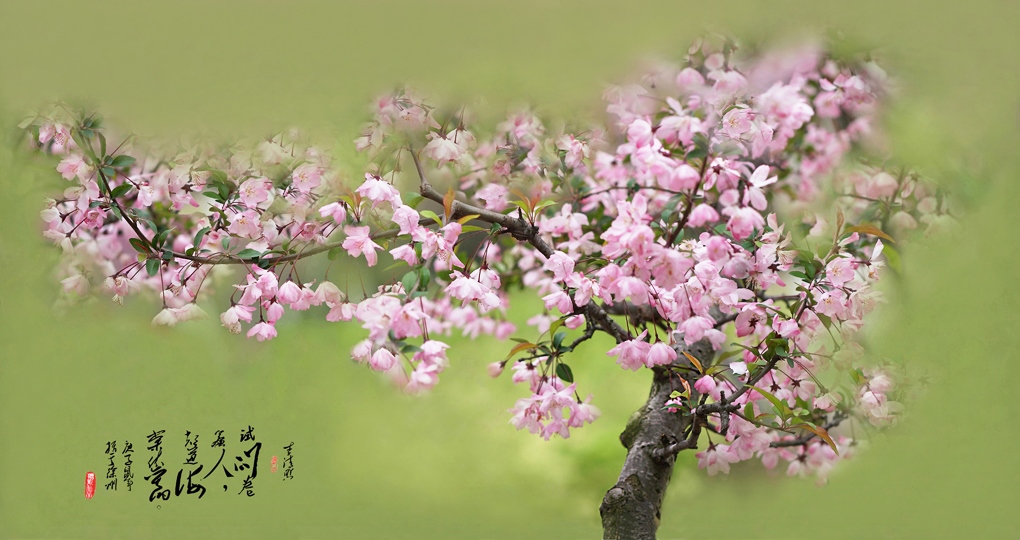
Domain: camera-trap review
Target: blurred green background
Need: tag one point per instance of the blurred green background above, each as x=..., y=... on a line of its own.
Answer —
x=372, y=463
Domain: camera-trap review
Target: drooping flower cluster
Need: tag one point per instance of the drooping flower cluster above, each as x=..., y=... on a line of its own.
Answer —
x=729, y=201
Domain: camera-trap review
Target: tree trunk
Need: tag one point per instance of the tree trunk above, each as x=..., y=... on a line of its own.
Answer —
x=631, y=508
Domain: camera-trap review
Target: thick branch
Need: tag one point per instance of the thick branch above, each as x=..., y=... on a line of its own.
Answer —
x=630, y=509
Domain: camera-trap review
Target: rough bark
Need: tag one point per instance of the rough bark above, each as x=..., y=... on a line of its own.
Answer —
x=631, y=508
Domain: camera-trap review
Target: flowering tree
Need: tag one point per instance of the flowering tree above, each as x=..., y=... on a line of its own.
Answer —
x=725, y=228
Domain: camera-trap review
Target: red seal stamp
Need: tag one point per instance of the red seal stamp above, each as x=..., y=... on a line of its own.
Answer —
x=90, y=484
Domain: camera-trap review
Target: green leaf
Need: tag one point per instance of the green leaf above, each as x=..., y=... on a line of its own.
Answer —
x=424, y=279
x=409, y=280
x=102, y=144
x=139, y=246
x=120, y=190
x=558, y=339
x=411, y=198
x=779, y=404
x=248, y=254
x=410, y=349
x=564, y=373
x=200, y=235
x=108, y=172
x=152, y=266
x=167, y=255
x=160, y=238
x=799, y=274
x=431, y=215
x=333, y=253
x=556, y=325
x=122, y=161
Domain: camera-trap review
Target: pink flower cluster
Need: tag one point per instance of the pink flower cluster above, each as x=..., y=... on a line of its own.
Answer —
x=552, y=408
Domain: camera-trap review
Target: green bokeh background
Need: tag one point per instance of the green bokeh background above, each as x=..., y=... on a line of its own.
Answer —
x=372, y=463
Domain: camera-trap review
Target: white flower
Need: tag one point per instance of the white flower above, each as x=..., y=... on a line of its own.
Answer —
x=166, y=317
x=443, y=150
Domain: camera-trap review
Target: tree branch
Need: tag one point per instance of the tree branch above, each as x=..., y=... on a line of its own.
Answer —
x=630, y=509
x=837, y=419
x=520, y=230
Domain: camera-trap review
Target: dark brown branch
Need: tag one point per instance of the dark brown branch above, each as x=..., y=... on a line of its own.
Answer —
x=630, y=509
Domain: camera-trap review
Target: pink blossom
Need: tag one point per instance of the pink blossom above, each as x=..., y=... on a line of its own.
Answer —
x=443, y=150
x=494, y=196
x=631, y=353
x=750, y=321
x=840, y=270
x=576, y=150
x=702, y=215
x=560, y=300
x=495, y=369
x=246, y=225
x=231, y=318
x=254, y=191
x=465, y=288
x=382, y=360
x=405, y=253
x=785, y=327
x=705, y=384
x=560, y=264
x=743, y=221
x=376, y=190
x=335, y=210
x=689, y=78
x=358, y=242
x=306, y=177
x=660, y=354
x=694, y=328
x=73, y=166
x=737, y=122
x=288, y=293
x=262, y=331
x=407, y=218
x=716, y=459
x=362, y=351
